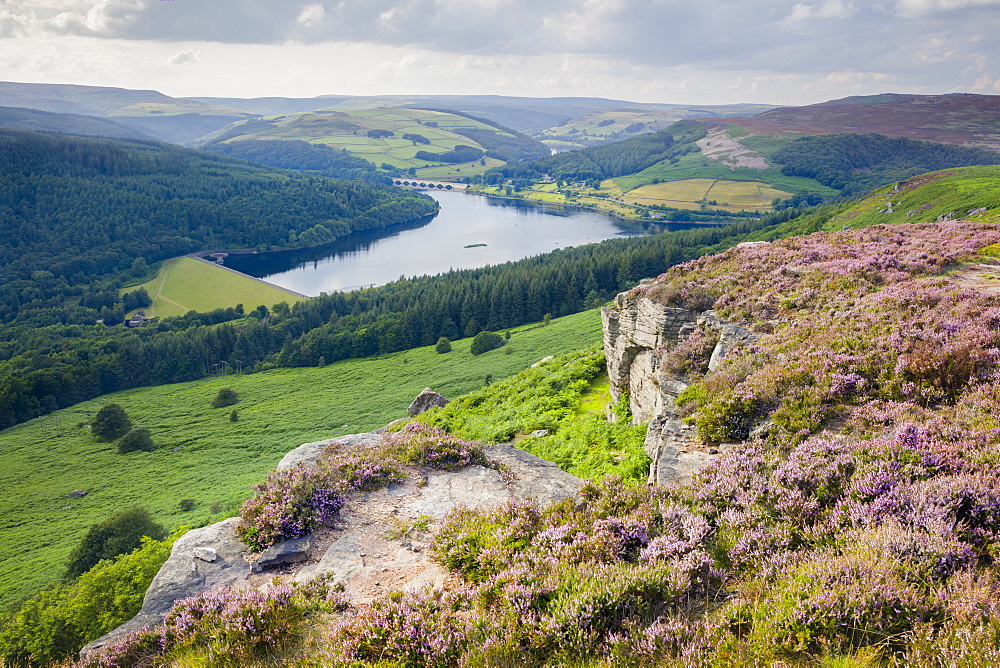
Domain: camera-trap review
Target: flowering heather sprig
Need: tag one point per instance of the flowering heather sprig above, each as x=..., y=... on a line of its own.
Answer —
x=231, y=626
x=690, y=357
x=138, y=648
x=837, y=602
x=413, y=628
x=679, y=641
x=363, y=474
x=424, y=445
x=288, y=504
x=235, y=625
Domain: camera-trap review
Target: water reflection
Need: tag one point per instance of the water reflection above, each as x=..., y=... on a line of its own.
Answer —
x=469, y=231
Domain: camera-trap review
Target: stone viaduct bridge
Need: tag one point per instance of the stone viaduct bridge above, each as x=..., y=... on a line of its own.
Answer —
x=423, y=184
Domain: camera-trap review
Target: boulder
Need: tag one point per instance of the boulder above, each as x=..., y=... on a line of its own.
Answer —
x=425, y=401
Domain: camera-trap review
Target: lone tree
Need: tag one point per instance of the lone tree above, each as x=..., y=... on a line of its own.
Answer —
x=443, y=345
x=226, y=397
x=136, y=439
x=485, y=341
x=119, y=534
x=111, y=422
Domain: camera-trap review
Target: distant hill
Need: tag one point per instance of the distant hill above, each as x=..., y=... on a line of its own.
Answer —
x=424, y=142
x=73, y=99
x=722, y=166
x=148, y=112
x=16, y=118
x=598, y=127
x=965, y=119
x=525, y=114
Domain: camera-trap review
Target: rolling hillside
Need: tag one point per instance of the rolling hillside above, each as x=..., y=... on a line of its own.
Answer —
x=147, y=111
x=414, y=141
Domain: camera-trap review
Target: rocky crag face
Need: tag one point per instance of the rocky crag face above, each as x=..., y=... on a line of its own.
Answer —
x=637, y=331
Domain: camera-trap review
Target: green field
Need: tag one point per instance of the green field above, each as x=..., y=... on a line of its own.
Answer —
x=202, y=455
x=696, y=166
x=347, y=130
x=692, y=193
x=185, y=284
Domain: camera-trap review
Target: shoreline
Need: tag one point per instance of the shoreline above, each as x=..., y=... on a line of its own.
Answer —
x=593, y=209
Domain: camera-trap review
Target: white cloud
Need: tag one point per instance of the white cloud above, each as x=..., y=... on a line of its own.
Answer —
x=669, y=50
x=831, y=9
x=311, y=15
x=986, y=84
x=857, y=77
x=916, y=8
x=185, y=57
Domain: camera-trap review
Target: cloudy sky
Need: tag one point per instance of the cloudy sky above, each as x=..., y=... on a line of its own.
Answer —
x=678, y=51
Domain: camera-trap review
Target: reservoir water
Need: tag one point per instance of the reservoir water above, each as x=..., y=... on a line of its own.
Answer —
x=470, y=231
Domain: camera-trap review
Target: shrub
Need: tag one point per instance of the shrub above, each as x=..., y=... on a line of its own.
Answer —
x=234, y=416
x=443, y=345
x=110, y=422
x=116, y=535
x=484, y=342
x=226, y=397
x=837, y=603
x=366, y=476
x=136, y=439
x=186, y=505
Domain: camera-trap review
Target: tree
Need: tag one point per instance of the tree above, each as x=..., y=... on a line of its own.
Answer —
x=443, y=345
x=111, y=422
x=119, y=534
x=226, y=397
x=139, y=267
x=485, y=341
x=136, y=439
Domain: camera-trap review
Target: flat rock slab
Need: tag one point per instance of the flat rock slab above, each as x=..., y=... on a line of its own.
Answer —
x=308, y=453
